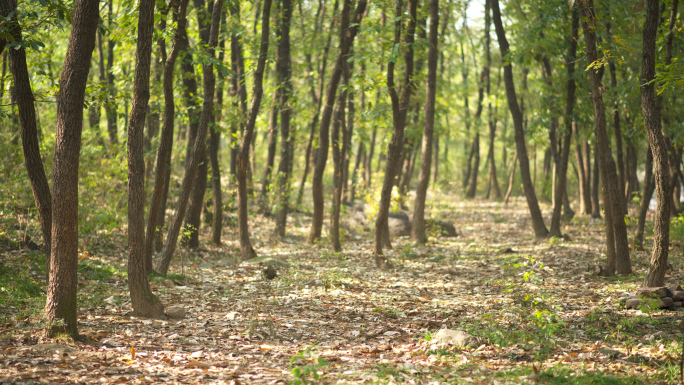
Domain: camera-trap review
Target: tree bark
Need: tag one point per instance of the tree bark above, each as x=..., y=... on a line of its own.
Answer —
x=646, y=195
x=284, y=65
x=192, y=164
x=264, y=204
x=155, y=220
x=110, y=106
x=246, y=249
x=540, y=230
x=144, y=302
x=347, y=34
x=595, y=204
x=562, y=165
x=29, y=130
x=338, y=161
x=399, y=110
x=615, y=224
x=651, y=112
x=418, y=226
x=214, y=143
x=61, y=302
x=584, y=189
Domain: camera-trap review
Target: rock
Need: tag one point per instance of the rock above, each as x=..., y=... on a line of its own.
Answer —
x=627, y=298
x=266, y=260
x=653, y=292
x=270, y=272
x=678, y=296
x=444, y=229
x=398, y=227
x=54, y=348
x=610, y=352
x=399, y=215
x=457, y=338
x=674, y=287
x=665, y=303
x=633, y=303
x=169, y=283
x=175, y=312
x=676, y=305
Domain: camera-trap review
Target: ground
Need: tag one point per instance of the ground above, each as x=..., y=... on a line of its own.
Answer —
x=537, y=308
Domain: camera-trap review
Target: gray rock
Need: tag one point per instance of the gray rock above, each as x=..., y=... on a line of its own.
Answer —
x=400, y=215
x=653, y=292
x=674, y=287
x=678, y=296
x=266, y=260
x=175, y=312
x=633, y=303
x=665, y=303
x=457, y=338
x=627, y=298
x=398, y=227
x=676, y=305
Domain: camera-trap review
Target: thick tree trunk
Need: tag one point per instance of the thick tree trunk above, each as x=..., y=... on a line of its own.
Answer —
x=540, y=230
x=399, y=110
x=418, y=226
x=661, y=231
x=144, y=302
x=200, y=142
x=155, y=220
x=562, y=165
x=246, y=249
x=29, y=130
x=60, y=305
x=612, y=197
x=646, y=195
x=284, y=65
x=347, y=34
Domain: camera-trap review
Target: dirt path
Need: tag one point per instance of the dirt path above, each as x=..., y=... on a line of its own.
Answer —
x=538, y=310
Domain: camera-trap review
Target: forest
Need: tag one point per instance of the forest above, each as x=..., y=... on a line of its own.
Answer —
x=341, y=191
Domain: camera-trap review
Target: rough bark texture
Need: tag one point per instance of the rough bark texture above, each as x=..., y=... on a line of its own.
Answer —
x=584, y=189
x=612, y=198
x=163, y=166
x=29, y=131
x=540, y=230
x=60, y=305
x=144, y=302
x=246, y=249
x=192, y=163
x=214, y=142
x=418, y=225
x=646, y=195
x=562, y=165
x=399, y=110
x=110, y=106
x=651, y=112
x=338, y=161
x=347, y=34
x=284, y=66
x=264, y=203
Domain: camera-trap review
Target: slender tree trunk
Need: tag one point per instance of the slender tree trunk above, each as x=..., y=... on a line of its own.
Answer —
x=418, y=226
x=584, y=189
x=238, y=82
x=61, y=302
x=246, y=249
x=214, y=142
x=110, y=107
x=29, y=131
x=646, y=195
x=155, y=220
x=661, y=234
x=144, y=302
x=595, y=204
x=399, y=110
x=270, y=157
x=200, y=142
x=562, y=165
x=347, y=34
x=540, y=230
x=511, y=178
x=612, y=198
x=284, y=65
x=339, y=122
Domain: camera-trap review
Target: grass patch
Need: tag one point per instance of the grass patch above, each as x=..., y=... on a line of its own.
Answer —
x=22, y=286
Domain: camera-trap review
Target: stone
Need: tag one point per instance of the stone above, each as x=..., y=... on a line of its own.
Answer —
x=674, y=287
x=653, y=292
x=627, y=298
x=457, y=338
x=633, y=303
x=676, y=305
x=678, y=296
x=266, y=260
x=665, y=303
x=270, y=272
x=175, y=312
x=398, y=227
x=400, y=214
x=169, y=283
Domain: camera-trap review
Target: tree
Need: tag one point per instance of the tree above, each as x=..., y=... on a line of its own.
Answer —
x=144, y=302
x=661, y=236
x=246, y=249
x=418, y=228
x=60, y=305
x=540, y=230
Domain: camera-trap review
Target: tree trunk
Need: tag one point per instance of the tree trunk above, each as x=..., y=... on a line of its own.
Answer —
x=347, y=34
x=29, y=131
x=238, y=82
x=60, y=305
x=584, y=189
x=646, y=195
x=418, y=226
x=661, y=231
x=511, y=178
x=284, y=65
x=338, y=161
x=155, y=220
x=562, y=165
x=246, y=249
x=611, y=195
x=540, y=230
x=399, y=110
x=110, y=107
x=200, y=140
x=270, y=157
x=144, y=302
x=595, y=204
x=214, y=142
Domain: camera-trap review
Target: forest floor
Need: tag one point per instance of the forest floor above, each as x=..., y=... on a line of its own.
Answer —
x=538, y=310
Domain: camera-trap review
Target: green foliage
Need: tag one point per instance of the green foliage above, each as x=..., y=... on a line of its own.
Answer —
x=307, y=367
x=22, y=287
